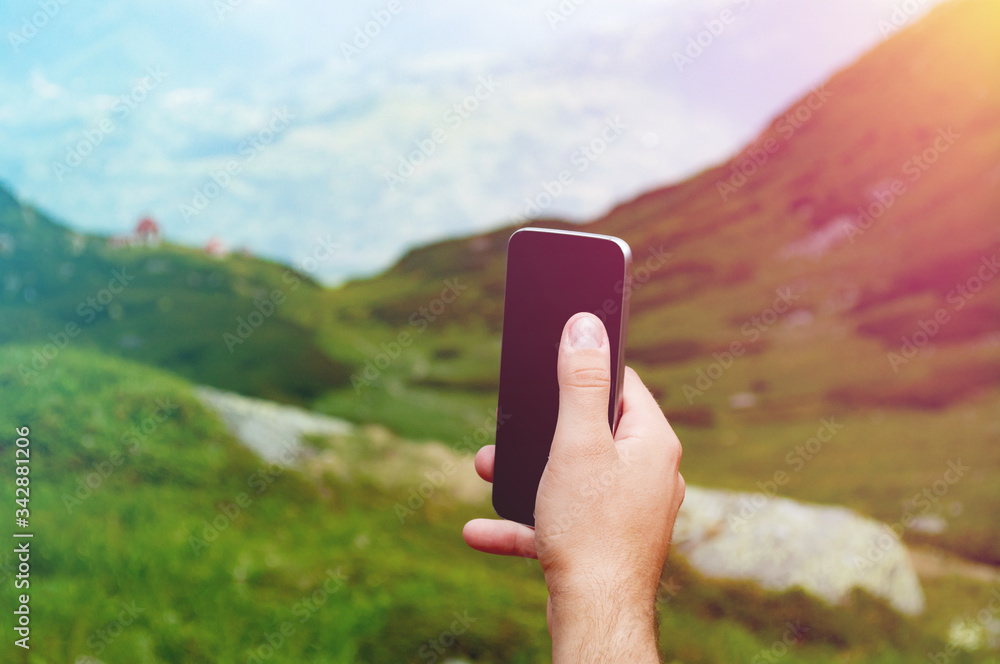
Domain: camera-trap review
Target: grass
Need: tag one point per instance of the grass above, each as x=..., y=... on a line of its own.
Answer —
x=171, y=306
x=130, y=540
x=216, y=553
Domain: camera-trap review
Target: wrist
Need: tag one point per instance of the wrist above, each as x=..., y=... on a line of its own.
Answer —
x=624, y=584
x=603, y=621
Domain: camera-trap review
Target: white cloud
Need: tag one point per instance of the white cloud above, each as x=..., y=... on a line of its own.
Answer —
x=353, y=121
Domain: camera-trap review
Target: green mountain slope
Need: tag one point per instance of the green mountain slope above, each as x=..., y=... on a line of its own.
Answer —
x=239, y=323
x=841, y=266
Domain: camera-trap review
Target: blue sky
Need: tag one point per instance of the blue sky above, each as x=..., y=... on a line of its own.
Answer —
x=112, y=110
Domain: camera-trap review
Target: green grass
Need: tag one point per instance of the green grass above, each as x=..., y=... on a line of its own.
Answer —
x=129, y=539
x=171, y=307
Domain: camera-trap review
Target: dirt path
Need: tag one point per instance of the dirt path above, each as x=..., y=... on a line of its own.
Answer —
x=931, y=563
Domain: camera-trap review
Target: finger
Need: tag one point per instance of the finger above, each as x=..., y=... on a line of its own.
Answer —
x=584, y=374
x=643, y=429
x=484, y=461
x=503, y=538
x=641, y=414
x=636, y=395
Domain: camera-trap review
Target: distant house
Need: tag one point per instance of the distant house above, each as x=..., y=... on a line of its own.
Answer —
x=147, y=231
x=145, y=234
x=216, y=247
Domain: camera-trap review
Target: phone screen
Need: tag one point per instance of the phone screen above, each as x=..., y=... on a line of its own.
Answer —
x=551, y=275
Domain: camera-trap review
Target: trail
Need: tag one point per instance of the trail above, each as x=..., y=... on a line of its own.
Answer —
x=932, y=563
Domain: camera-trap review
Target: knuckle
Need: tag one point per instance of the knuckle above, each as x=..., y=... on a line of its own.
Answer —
x=588, y=377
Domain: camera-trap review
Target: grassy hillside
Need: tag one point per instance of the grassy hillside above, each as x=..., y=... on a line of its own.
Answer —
x=129, y=539
x=158, y=538
x=169, y=306
x=871, y=205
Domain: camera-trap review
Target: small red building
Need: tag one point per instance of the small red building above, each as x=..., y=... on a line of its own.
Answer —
x=147, y=231
x=216, y=247
x=145, y=234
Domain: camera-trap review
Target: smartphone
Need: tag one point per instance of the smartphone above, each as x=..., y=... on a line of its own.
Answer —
x=551, y=275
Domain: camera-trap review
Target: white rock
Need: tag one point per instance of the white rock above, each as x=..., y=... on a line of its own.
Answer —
x=781, y=544
x=274, y=431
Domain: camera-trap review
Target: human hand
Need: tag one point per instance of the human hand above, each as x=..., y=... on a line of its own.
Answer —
x=604, y=511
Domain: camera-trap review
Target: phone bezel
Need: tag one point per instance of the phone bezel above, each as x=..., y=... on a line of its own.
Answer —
x=616, y=396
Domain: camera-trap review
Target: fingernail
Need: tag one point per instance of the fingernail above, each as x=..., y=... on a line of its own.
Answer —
x=585, y=333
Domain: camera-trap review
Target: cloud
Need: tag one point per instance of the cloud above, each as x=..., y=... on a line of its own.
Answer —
x=356, y=121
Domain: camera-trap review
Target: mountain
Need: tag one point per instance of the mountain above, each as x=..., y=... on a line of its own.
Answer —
x=841, y=267
x=239, y=323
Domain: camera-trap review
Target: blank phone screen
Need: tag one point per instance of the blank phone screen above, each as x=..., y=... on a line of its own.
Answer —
x=551, y=275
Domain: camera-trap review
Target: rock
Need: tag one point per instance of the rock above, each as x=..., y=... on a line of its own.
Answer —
x=775, y=542
x=781, y=544
x=930, y=524
x=274, y=431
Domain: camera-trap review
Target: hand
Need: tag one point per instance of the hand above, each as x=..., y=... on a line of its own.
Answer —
x=604, y=511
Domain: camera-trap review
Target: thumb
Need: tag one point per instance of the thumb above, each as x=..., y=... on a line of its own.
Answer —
x=584, y=374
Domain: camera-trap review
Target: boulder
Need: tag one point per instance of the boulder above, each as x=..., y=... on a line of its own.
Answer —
x=780, y=544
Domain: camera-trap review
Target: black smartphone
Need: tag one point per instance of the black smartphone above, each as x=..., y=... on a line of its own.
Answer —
x=551, y=275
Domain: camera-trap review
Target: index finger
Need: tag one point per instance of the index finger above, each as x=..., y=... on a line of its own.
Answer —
x=641, y=414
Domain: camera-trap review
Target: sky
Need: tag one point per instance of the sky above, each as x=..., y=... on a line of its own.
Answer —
x=378, y=125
